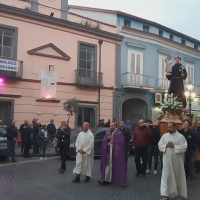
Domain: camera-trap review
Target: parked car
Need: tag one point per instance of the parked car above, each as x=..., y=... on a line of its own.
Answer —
x=3, y=140
x=99, y=134
x=98, y=138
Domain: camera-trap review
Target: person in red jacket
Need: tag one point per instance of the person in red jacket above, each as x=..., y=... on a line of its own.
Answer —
x=140, y=144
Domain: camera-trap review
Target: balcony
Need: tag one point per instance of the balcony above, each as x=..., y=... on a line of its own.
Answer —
x=162, y=84
x=132, y=80
x=90, y=78
x=18, y=74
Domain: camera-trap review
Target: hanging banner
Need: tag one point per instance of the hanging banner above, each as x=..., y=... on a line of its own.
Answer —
x=48, y=84
x=9, y=65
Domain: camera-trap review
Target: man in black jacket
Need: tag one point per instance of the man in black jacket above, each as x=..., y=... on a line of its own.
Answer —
x=37, y=129
x=127, y=135
x=191, y=139
x=28, y=133
x=12, y=134
x=51, y=129
x=22, y=131
x=153, y=148
x=63, y=136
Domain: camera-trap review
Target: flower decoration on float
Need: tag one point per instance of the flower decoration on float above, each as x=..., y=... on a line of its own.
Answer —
x=171, y=104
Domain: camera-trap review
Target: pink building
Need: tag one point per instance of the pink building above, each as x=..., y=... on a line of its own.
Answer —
x=45, y=60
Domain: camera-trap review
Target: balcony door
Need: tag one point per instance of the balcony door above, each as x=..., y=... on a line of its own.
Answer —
x=163, y=82
x=135, y=67
x=190, y=73
x=87, y=63
x=86, y=114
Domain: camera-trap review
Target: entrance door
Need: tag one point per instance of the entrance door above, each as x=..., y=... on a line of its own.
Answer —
x=5, y=112
x=86, y=115
x=134, y=110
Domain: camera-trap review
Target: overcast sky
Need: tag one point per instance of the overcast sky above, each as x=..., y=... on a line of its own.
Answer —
x=180, y=15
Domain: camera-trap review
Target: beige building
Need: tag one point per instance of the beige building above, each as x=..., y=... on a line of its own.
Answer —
x=48, y=58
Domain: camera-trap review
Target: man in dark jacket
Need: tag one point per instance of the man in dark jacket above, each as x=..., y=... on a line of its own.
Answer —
x=153, y=148
x=51, y=129
x=37, y=129
x=12, y=134
x=140, y=143
x=22, y=131
x=63, y=136
x=191, y=139
x=28, y=139
x=127, y=135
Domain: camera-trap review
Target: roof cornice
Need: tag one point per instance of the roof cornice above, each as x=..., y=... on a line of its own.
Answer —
x=60, y=22
x=148, y=22
x=156, y=39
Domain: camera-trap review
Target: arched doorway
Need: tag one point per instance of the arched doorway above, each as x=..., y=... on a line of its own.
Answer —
x=133, y=110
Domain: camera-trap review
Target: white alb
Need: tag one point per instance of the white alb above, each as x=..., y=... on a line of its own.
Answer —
x=84, y=162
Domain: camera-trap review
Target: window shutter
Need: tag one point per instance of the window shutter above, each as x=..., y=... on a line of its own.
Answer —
x=189, y=74
x=132, y=63
x=163, y=68
x=138, y=64
x=192, y=74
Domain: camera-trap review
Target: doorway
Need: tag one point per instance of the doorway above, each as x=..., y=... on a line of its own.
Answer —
x=134, y=110
x=6, y=111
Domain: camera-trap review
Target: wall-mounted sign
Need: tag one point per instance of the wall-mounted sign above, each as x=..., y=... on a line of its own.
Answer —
x=8, y=65
x=48, y=84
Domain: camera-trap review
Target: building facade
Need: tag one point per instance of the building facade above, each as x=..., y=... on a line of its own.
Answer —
x=45, y=60
x=144, y=48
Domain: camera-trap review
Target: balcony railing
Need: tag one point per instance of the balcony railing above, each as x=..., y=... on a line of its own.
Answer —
x=137, y=80
x=17, y=74
x=88, y=78
x=162, y=83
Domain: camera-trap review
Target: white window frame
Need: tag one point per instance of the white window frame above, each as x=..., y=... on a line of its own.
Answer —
x=163, y=81
x=129, y=60
x=187, y=65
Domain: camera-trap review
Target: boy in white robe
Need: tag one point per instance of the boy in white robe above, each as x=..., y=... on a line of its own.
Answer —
x=85, y=154
x=173, y=181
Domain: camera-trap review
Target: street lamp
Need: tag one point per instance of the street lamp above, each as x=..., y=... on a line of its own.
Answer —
x=189, y=93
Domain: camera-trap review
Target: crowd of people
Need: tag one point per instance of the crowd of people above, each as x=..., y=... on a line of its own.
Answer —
x=179, y=150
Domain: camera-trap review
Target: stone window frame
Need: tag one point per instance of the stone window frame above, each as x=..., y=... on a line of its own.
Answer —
x=15, y=43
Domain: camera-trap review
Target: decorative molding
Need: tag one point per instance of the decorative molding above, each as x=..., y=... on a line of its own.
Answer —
x=58, y=22
x=189, y=60
x=164, y=52
x=89, y=102
x=63, y=56
x=135, y=45
x=48, y=100
x=11, y=95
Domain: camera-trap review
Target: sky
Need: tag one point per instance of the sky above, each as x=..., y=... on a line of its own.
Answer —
x=180, y=15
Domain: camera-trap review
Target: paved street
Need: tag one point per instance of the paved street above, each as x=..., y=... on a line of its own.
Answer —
x=32, y=179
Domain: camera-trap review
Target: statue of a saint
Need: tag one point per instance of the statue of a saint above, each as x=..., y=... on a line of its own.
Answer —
x=177, y=75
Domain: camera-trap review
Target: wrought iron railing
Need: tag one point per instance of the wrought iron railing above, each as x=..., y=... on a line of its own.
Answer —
x=133, y=79
x=88, y=77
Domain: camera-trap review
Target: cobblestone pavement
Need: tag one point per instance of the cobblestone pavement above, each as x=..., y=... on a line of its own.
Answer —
x=35, y=179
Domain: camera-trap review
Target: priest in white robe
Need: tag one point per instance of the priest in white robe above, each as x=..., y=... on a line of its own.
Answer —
x=85, y=154
x=173, y=181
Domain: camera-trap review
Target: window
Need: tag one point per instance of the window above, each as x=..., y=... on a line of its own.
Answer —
x=87, y=57
x=163, y=83
x=161, y=33
x=145, y=28
x=183, y=41
x=127, y=23
x=171, y=37
x=190, y=73
x=135, y=62
x=196, y=46
x=86, y=115
x=7, y=43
